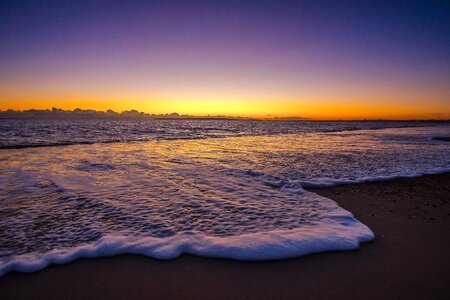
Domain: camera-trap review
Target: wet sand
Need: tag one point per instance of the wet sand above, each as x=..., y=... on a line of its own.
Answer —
x=442, y=139
x=409, y=259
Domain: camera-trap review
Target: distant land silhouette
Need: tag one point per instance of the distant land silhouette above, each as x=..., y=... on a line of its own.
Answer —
x=76, y=114
x=91, y=114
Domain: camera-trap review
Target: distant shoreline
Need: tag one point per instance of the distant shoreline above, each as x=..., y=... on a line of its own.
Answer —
x=150, y=118
x=89, y=114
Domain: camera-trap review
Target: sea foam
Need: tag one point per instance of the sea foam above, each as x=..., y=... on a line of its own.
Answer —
x=338, y=231
x=237, y=197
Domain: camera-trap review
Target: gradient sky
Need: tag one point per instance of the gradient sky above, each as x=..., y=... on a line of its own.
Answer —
x=322, y=59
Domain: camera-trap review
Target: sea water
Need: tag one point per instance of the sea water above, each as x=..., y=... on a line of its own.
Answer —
x=216, y=188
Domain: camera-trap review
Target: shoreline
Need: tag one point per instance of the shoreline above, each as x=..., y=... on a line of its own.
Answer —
x=408, y=259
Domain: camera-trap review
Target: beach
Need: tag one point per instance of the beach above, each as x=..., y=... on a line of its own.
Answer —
x=409, y=259
x=224, y=150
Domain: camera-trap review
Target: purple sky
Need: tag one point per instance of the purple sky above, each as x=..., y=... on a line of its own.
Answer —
x=385, y=59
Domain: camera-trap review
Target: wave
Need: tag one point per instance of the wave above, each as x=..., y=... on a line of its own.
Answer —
x=20, y=135
x=321, y=225
x=240, y=198
x=345, y=233
x=21, y=146
x=335, y=182
x=62, y=144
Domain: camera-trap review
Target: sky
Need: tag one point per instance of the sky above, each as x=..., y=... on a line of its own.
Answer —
x=312, y=59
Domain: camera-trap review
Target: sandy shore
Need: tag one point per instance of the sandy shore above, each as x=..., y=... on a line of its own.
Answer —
x=409, y=259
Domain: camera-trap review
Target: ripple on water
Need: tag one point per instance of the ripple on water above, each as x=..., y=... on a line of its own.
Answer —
x=168, y=197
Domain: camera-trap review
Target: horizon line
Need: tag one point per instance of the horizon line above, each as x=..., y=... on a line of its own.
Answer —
x=58, y=113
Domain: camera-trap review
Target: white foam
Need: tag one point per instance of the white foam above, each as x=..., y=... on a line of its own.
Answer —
x=324, y=183
x=345, y=233
x=240, y=198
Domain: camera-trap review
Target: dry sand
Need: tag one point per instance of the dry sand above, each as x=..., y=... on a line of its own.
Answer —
x=409, y=259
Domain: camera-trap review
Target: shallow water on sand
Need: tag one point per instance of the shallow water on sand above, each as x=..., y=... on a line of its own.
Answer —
x=239, y=197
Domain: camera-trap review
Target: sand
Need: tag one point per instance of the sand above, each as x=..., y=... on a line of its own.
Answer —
x=442, y=138
x=409, y=259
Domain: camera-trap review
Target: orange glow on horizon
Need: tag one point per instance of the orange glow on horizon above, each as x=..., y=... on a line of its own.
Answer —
x=264, y=109
x=307, y=62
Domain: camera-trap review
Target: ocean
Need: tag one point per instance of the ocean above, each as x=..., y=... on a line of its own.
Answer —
x=216, y=188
